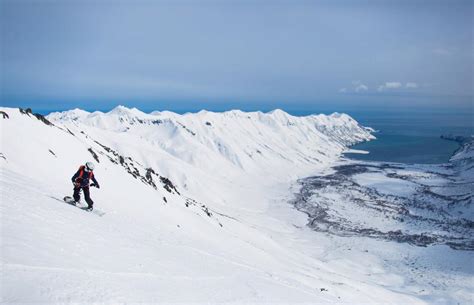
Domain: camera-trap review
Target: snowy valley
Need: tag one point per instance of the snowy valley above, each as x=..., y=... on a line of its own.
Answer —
x=218, y=208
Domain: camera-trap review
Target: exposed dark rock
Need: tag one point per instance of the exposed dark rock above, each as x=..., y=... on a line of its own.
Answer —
x=94, y=155
x=52, y=152
x=40, y=117
x=191, y=202
x=115, y=156
x=149, y=178
x=129, y=165
x=26, y=111
x=168, y=185
x=459, y=139
x=206, y=210
x=187, y=129
x=4, y=115
x=43, y=119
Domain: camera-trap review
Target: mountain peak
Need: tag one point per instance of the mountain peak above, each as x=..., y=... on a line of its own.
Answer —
x=278, y=112
x=125, y=111
x=72, y=114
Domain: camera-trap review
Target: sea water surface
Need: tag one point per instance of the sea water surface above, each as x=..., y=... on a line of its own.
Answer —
x=412, y=137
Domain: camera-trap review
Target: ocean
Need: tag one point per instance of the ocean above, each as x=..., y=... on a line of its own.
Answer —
x=412, y=137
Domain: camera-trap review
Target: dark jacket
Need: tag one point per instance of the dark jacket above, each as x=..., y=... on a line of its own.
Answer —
x=83, y=177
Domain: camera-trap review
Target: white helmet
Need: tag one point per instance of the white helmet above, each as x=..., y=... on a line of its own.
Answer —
x=89, y=166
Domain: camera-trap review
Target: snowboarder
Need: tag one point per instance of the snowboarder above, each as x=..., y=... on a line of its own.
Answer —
x=81, y=181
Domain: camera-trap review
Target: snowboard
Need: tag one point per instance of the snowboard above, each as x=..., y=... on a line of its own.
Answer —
x=70, y=200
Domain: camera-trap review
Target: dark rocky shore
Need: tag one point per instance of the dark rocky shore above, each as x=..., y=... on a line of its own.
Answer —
x=436, y=211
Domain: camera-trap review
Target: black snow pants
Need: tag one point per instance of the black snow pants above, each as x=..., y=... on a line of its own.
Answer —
x=77, y=195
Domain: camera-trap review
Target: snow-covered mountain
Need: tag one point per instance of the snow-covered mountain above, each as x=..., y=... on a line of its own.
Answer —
x=463, y=158
x=209, y=151
x=248, y=141
x=196, y=211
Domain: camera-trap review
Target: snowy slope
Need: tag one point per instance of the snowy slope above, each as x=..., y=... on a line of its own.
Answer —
x=463, y=159
x=195, y=212
x=220, y=150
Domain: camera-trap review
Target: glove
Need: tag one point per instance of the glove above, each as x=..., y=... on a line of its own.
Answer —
x=95, y=185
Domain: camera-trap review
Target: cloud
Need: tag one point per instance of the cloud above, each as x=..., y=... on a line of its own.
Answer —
x=359, y=86
x=390, y=85
x=442, y=51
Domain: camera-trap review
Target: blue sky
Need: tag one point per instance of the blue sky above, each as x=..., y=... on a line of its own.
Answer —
x=253, y=55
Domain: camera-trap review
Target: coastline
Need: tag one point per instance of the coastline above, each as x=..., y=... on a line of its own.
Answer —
x=409, y=216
